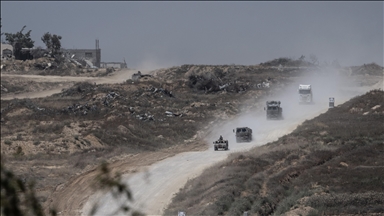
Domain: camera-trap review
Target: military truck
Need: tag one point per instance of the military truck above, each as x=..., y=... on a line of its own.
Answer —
x=274, y=111
x=220, y=144
x=243, y=134
x=305, y=94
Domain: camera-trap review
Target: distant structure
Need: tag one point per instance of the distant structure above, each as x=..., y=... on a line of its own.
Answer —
x=86, y=57
x=6, y=51
x=114, y=64
x=92, y=55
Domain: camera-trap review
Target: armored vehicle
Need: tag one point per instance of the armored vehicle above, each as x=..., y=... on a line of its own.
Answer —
x=220, y=144
x=274, y=111
x=243, y=134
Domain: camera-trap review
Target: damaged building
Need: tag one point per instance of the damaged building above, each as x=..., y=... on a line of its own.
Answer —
x=91, y=56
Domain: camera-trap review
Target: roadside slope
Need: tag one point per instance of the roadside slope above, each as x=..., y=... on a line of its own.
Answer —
x=152, y=189
x=332, y=164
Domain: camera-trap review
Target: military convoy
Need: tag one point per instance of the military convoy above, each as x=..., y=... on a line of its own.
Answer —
x=274, y=111
x=243, y=134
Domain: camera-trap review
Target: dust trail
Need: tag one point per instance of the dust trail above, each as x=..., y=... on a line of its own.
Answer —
x=154, y=188
x=326, y=83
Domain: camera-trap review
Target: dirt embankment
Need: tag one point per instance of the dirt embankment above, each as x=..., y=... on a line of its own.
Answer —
x=332, y=164
x=159, y=182
x=69, y=133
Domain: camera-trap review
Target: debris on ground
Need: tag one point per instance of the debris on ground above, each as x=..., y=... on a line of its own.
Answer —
x=78, y=108
x=171, y=114
x=145, y=116
x=139, y=75
x=160, y=90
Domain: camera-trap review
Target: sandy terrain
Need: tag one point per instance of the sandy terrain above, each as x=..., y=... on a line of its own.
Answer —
x=154, y=186
x=155, y=177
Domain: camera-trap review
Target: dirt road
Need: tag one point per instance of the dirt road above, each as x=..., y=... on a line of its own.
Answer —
x=67, y=81
x=154, y=186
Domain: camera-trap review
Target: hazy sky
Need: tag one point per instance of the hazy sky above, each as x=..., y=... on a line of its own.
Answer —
x=164, y=34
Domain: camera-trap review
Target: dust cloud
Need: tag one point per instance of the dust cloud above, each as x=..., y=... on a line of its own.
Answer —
x=151, y=64
x=325, y=82
x=167, y=176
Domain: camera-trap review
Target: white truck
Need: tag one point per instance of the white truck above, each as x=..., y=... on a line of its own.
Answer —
x=305, y=94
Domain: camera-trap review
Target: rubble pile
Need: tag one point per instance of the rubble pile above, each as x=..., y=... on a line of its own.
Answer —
x=154, y=90
x=108, y=98
x=137, y=76
x=218, y=78
x=145, y=116
x=138, y=104
x=78, y=108
x=173, y=108
x=92, y=105
x=211, y=83
x=13, y=65
x=47, y=65
x=152, y=101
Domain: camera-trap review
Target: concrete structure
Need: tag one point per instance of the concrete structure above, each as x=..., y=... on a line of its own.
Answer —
x=93, y=55
x=6, y=50
x=88, y=56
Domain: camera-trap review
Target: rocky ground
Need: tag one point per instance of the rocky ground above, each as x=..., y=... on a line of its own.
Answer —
x=330, y=165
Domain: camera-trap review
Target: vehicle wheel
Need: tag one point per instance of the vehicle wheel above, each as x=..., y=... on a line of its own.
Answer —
x=215, y=149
